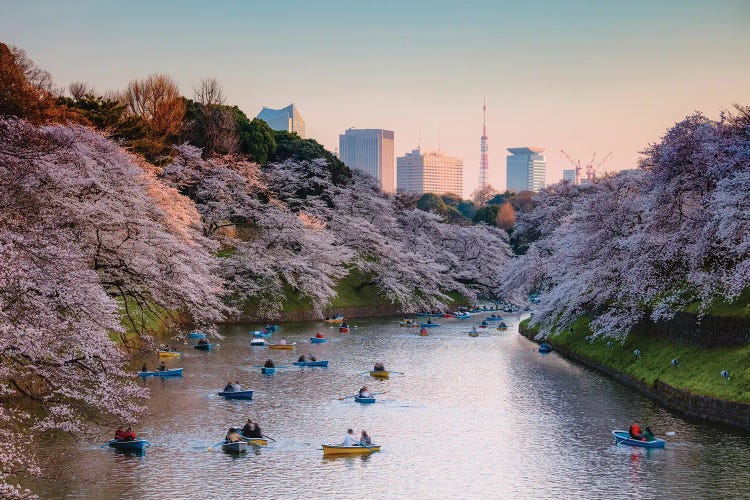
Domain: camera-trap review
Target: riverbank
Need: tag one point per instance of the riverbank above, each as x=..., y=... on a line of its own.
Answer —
x=694, y=387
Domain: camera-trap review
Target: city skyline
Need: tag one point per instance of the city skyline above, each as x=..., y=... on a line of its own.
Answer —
x=592, y=77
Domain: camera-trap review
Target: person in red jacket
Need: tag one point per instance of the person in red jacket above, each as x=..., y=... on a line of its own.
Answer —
x=635, y=430
x=129, y=434
x=120, y=434
x=318, y=335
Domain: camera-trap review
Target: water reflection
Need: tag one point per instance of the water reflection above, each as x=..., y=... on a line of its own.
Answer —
x=470, y=418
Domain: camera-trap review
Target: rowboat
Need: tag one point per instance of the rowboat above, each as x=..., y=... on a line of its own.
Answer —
x=380, y=374
x=474, y=334
x=260, y=335
x=423, y=333
x=174, y=372
x=334, y=449
x=406, y=322
x=624, y=438
x=267, y=371
x=317, y=340
x=258, y=343
x=493, y=318
x=254, y=441
x=344, y=329
x=501, y=327
x=135, y=445
x=236, y=447
x=323, y=364
x=461, y=315
x=237, y=395
x=169, y=354
x=281, y=346
x=422, y=315
x=197, y=335
x=429, y=325
x=544, y=348
x=448, y=315
x=364, y=400
x=336, y=320
x=203, y=347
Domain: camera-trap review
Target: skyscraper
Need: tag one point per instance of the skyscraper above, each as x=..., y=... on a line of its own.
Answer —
x=484, y=160
x=370, y=150
x=526, y=169
x=569, y=175
x=288, y=119
x=431, y=172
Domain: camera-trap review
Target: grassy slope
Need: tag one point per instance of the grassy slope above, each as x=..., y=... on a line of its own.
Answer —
x=698, y=371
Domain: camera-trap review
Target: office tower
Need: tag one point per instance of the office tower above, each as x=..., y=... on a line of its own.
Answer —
x=370, y=150
x=288, y=119
x=526, y=169
x=569, y=175
x=431, y=172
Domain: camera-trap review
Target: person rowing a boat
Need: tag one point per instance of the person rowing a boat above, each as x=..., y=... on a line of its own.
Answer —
x=301, y=359
x=282, y=341
x=236, y=386
x=232, y=436
x=144, y=368
x=312, y=358
x=648, y=435
x=162, y=367
x=203, y=341
x=635, y=430
x=269, y=364
x=349, y=439
x=379, y=367
x=318, y=335
x=129, y=435
x=248, y=428
x=120, y=434
x=364, y=392
x=229, y=387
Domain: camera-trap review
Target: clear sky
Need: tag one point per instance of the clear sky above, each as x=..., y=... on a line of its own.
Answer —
x=585, y=76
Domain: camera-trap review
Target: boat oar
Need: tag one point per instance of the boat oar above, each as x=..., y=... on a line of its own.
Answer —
x=215, y=445
x=347, y=397
x=269, y=437
x=400, y=373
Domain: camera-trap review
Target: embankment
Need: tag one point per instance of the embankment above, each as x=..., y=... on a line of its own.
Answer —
x=694, y=387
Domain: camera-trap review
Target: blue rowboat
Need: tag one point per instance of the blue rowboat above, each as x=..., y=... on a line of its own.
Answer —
x=203, y=347
x=545, y=348
x=197, y=335
x=261, y=335
x=316, y=340
x=460, y=315
x=422, y=315
x=135, y=445
x=237, y=395
x=267, y=371
x=493, y=318
x=272, y=328
x=364, y=400
x=429, y=325
x=624, y=438
x=174, y=372
x=237, y=447
x=323, y=364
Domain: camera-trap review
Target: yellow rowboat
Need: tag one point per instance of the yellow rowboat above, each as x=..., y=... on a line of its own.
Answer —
x=333, y=449
x=255, y=441
x=380, y=374
x=501, y=328
x=334, y=320
x=281, y=346
x=169, y=354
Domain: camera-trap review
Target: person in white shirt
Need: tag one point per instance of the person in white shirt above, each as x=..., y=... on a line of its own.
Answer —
x=282, y=342
x=364, y=392
x=237, y=387
x=349, y=439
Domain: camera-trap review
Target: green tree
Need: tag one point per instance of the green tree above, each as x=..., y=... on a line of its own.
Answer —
x=486, y=214
x=430, y=202
x=292, y=146
x=451, y=199
x=467, y=208
x=257, y=139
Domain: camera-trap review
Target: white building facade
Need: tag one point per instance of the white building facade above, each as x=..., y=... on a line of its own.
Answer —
x=526, y=169
x=430, y=172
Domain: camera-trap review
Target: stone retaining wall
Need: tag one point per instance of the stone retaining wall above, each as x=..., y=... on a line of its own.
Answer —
x=717, y=410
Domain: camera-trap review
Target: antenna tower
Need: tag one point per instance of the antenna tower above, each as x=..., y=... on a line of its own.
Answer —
x=484, y=160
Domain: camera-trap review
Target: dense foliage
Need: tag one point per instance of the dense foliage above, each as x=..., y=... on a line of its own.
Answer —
x=644, y=243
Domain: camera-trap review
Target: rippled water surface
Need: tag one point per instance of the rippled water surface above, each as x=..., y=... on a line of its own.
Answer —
x=470, y=418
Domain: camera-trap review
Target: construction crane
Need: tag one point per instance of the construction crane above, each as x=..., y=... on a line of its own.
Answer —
x=590, y=167
x=576, y=164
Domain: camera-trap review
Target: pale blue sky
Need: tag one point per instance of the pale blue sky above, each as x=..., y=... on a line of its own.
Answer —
x=587, y=76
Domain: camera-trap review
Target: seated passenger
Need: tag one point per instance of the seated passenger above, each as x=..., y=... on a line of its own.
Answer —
x=269, y=364
x=301, y=359
x=129, y=435
x=318, y=335
x=203, y=341
x=282, y=342
x=236, y=386
x=648, y=435
x=313, y=358
x=162, y=367
x=379, y=367
x=364, y=439
x=256, y=432
x=229, y=387
x=364, y=392
x=232, y=435
x=247, y=430
x=144, y=368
